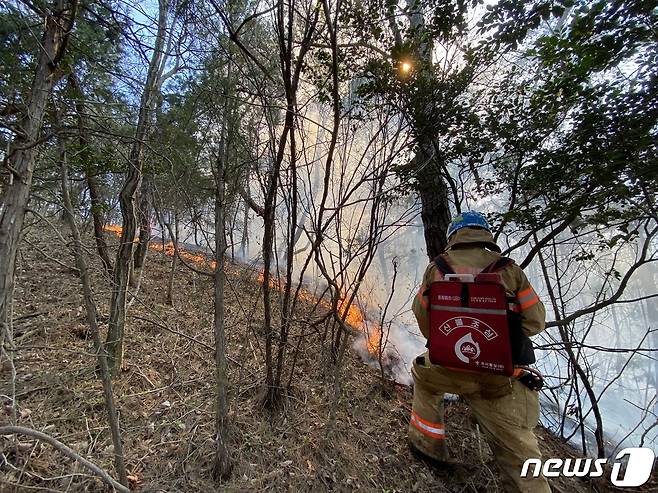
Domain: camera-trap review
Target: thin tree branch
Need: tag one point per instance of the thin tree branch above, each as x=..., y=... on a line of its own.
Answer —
x=67, y=451
x=620, y=289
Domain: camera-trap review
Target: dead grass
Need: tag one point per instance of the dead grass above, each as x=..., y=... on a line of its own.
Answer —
x=165, y=398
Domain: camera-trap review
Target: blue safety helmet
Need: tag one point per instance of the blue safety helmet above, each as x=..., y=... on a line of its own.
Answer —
x=469, y=219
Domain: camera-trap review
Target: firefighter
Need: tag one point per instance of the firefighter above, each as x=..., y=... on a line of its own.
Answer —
x=505, y=408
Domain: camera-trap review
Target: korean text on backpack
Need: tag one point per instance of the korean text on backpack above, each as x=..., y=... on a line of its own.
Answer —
x=471, y=325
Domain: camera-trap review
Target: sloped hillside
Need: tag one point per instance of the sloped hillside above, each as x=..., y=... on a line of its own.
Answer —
x=165, y=397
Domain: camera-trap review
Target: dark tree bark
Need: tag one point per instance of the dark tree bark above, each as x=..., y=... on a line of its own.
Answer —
x=97, y=204
x=433, y=187
x=286, y=312
x=145, y=214
x=291, y=67
x=174, y=259
x=127, y=197
x=19, y=162
x=223, y=466
x=435, y=209
x=92, y=318
x=95, y=196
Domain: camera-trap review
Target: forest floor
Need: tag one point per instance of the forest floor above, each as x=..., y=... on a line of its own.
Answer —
x=165, y=397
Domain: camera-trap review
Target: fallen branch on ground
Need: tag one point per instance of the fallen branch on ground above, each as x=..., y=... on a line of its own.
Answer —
x=53, y=259
x=67, y=451
x=30, y=315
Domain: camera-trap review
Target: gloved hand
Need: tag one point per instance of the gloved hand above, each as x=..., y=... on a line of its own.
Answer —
x=529, y=377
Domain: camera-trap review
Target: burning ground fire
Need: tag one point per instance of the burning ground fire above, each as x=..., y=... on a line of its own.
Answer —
x=354, y=316
x=169, y=250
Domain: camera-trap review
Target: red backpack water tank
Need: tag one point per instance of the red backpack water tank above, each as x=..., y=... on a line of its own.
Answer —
x=469, y=327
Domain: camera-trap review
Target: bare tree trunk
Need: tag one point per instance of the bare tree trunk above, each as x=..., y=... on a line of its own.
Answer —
x=20, y=155
x=95, y=197
x=286, y=312
x=291, y=62
x=244, y=241
x=435, y=207
x=433, y=189
x=127, y=197
x=652, y=310
x=9, y=352
x=234, y=211
x=223, y=466
x=145, y=209
x=272, y=393
x=174, y=262
x=97, y=215
x=145, y=214
x=92, y=318
x=568, y=342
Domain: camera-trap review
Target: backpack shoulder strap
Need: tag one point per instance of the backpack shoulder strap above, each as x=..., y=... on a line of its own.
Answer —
x=443, y=265
x=498, y=265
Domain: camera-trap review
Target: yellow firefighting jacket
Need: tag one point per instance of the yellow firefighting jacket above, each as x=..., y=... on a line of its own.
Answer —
x=467, y=253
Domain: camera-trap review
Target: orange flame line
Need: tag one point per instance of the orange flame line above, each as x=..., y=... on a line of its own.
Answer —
x=169, y=249
x=354, y=316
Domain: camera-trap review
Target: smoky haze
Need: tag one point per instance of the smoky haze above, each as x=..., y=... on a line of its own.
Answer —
x=613, y=344
x=625, y=382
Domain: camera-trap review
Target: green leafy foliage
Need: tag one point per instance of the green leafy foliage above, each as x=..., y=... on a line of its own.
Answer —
x=583, y=120
x=553, y=107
